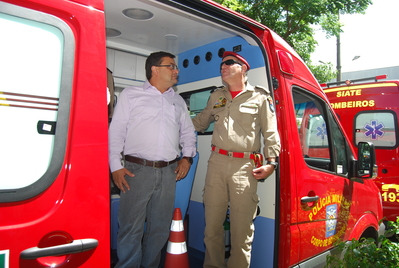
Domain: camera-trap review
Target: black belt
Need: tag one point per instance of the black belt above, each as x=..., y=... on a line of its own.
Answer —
x=155, y=164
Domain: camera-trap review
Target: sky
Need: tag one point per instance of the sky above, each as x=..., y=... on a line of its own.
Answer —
x=372, y=36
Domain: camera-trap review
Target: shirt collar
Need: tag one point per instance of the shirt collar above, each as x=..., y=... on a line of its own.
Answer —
x=147, y=86
x=248, y=87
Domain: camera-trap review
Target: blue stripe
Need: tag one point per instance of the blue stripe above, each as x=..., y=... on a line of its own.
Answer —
x=208, y=69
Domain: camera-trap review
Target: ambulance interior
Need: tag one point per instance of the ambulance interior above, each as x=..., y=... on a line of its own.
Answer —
x=137, y=28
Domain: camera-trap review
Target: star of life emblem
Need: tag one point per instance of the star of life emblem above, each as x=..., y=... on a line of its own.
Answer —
x=374, y=130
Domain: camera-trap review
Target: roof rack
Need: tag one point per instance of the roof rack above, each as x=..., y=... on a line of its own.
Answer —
x=349, y=82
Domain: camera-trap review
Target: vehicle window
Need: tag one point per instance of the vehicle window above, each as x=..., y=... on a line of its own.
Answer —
x=378, y=127
x=323, y=145
x=196, y=101
x=340, y=148
x=32, y=73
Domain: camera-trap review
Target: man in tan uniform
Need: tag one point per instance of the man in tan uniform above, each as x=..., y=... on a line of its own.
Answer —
x=242, y=114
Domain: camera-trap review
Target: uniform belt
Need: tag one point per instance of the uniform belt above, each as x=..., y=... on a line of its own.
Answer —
x=256, y=157
x=234, y=154
x=144, y=162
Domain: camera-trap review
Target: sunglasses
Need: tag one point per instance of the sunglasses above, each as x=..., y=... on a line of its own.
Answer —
x=229, y=62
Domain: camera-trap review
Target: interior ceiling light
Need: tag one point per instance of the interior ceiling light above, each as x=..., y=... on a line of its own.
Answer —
x=170, y=37
x=137, y=14
x=110, y=32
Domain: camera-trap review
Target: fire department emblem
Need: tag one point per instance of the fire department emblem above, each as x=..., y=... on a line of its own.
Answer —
x=331, y=219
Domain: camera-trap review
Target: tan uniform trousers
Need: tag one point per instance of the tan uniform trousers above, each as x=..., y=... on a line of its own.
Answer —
x=229, y=181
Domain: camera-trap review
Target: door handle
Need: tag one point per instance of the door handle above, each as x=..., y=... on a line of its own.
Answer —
x=309, y=199
x=76, y=246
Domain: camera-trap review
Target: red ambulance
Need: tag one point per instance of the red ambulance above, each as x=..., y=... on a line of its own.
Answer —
x=54, y=178
x=368, y=111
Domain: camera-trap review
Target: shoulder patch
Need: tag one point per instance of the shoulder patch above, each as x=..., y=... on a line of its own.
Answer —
x=271, y=106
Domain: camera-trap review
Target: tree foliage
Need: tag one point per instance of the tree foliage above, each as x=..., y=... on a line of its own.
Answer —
x=295, y=21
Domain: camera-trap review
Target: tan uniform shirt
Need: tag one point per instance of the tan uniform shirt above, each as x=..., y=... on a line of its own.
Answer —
x=240, y=121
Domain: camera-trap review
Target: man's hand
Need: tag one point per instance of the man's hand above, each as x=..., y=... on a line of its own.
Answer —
x=183, y=166
x=119, y=179
x=262, y=172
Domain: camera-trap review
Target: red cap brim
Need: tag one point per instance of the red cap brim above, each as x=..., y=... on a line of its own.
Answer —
x=238, y=56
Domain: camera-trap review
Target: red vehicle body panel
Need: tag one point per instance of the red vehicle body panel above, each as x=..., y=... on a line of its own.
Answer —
x=76, y=205
x=383, y=96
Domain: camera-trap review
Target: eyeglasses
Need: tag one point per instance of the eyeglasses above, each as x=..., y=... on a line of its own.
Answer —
x=170, y=66
x=229, y=62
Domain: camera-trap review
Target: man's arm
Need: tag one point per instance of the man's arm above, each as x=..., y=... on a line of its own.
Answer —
x=116, y=138
x=188, y=142
x=202, y=120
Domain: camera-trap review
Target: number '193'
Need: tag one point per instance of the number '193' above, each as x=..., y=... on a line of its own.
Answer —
x=390, y=197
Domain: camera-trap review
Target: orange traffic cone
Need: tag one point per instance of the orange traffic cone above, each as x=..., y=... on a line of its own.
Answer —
x=176, y=252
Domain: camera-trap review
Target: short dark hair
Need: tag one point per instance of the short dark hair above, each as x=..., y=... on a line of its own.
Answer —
x=155, y=59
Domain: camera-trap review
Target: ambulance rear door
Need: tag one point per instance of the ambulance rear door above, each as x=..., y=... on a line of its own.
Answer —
x=54, y=190
x=369, y=112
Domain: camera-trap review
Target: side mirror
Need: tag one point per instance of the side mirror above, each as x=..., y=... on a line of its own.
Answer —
x=366, y=166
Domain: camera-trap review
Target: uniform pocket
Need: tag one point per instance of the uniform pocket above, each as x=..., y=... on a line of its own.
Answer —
x=249, y=108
